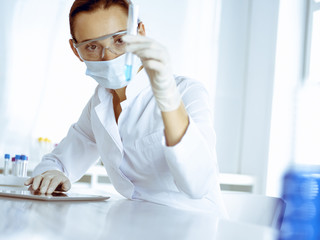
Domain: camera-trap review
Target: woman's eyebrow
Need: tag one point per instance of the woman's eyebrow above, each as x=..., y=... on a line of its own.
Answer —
x=102, y=36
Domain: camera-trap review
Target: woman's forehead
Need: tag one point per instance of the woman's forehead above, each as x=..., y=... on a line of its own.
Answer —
x=89, y=25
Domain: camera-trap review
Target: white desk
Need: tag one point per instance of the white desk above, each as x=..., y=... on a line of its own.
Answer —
x=116, y=219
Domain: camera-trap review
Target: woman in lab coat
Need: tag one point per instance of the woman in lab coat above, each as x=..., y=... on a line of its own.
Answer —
x=154, y=133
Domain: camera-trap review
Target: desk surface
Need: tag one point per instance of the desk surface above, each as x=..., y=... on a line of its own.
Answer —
x=116, y=219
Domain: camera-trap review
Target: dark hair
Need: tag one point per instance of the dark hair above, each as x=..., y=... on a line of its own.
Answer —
x=89, y=6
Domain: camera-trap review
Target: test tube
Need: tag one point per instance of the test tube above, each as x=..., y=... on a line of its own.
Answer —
x=6, y=164
x=13, y=166
x=24, y=163
x=18, y=165
x=132, y=29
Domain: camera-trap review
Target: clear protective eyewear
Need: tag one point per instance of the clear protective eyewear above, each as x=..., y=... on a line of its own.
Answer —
x=94, y=49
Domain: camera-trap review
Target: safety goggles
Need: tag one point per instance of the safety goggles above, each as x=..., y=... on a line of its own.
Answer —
x=94, y=49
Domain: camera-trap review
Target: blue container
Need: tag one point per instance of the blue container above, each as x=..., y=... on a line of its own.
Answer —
x=301, y=192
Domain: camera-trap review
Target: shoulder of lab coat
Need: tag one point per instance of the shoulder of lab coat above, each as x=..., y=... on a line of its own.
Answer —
x=77, y=151
x=193, y=160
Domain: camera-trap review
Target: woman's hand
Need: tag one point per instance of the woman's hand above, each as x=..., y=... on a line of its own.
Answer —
x=156, y=62
x=49, y=181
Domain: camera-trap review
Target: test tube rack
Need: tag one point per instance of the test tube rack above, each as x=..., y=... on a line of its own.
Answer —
x=9, y=180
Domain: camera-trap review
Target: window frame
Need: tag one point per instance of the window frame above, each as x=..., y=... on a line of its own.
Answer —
x=312, y=7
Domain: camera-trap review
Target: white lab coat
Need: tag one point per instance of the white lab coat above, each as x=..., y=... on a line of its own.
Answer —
x=134, y=153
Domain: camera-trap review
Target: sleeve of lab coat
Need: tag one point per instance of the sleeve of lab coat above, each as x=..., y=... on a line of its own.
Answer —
x=192, y=161
x=75, y=153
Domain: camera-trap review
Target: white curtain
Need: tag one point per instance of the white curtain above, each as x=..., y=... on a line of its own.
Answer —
x=5, y=27
x=32, y=31
x=26, y=63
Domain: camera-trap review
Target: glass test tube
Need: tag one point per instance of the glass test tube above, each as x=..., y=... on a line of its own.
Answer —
x=132, y=27
x=6, y=164
x=18, y=165
x=24, y=163
x=13, y=166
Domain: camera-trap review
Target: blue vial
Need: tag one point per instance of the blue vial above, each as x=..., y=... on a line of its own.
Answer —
x=24, y=163
x=18, y=165
x=301, y=192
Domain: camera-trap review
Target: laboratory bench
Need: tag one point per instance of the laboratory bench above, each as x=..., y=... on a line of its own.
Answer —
x=116, y=219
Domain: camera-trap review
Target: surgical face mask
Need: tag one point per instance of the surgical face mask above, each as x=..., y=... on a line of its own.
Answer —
x=111, y=74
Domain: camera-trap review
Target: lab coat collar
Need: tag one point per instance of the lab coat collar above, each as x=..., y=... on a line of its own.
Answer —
x=137, y=84
x=104, y=110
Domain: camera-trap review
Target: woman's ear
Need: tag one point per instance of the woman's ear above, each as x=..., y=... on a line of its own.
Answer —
x=74, y=49
x=141, y=29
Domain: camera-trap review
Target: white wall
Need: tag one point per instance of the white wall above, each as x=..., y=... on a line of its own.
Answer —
x=231, y=78
x=244, y=88
x=188, y=28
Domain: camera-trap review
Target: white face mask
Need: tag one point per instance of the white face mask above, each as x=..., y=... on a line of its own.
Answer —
x=111, y=74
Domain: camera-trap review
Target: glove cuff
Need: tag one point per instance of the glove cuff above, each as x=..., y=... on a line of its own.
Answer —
x=168, y=99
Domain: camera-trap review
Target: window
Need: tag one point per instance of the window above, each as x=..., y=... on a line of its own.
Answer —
x=307, y=140
x=312, y=69
x=295, y=124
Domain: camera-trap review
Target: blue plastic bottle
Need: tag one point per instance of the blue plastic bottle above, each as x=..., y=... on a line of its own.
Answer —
x=301, y=192
x=23, y=168
x=18, y=165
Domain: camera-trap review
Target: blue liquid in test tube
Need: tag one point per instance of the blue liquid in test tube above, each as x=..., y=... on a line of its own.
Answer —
x=132, y=27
